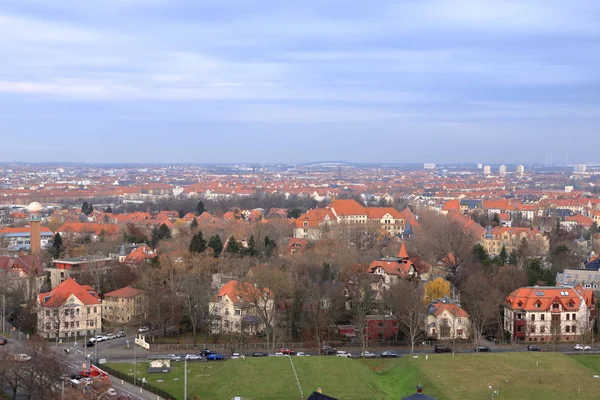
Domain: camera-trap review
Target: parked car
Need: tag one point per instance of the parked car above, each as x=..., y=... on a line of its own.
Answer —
x=75, y=377
x=111, y=336
x=279, y=354
x=121, y=334
x=260, y=354
x=174, y=357
x=367, y=354
x=235, y=355
x=329, y=351
x=302, y=354
x=111, y=392
x=90, y=344
x=3, y=340
x=101, y=338
x=578, y=347
x=87, y=380
x=442, y=349
x=206, y=352
x=85, y=374
x=214, y=357
x=287, y=352
x=533, y=347
x=389, y=354
x=482, y=349
x=192, y=357
x=342, y=353
x=20, y=357
x=143, y=329
x=587, y=347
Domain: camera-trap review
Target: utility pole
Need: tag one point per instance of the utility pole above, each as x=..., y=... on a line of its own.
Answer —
x=134, y=363
x=3, y=313
x=185, y=379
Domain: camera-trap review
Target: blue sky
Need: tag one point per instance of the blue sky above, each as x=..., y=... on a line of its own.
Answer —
x=275, y=81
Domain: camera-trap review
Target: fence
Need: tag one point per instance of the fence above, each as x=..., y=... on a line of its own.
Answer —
x=129, y=379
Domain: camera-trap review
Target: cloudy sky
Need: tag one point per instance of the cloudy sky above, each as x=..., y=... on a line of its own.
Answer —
x=296, y=80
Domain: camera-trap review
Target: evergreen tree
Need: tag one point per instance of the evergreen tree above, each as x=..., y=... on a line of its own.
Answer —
x=181, y=213
x=233, y=246
x=57, y=246
x=108, y=210
x=294, y=213
x=270, y=246
x=215, y=244
x=198, y=244
x=85, y=207
x=503, y=256
x=251, y=251
x=480, y=253
x=154, y=237
x=90, y=210
x=200, y=208
x=537, y=274
x=164, y=232
x=194, y=224
x=513, y=259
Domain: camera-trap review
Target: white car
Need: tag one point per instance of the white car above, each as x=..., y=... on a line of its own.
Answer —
x=342, y=353
x=111, y=392
x=21, y=357
x=101, y=338
x=367, y=354
x=87, y=381
x=174, y=357
x=587, y=347
x=235, y=355
x=192, y=357
x=578, y=347
x=143, y=329
x=111, y=336
x=279, y=354
x=302, y=354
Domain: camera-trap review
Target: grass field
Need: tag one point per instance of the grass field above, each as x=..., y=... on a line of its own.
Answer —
x=527, y=376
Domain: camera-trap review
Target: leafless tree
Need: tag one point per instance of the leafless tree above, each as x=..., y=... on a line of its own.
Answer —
x=405, y=300
x=481, y=299
x=362, y=301
x=195, y=291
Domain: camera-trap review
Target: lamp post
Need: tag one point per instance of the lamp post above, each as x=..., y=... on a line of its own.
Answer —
x=134, y=364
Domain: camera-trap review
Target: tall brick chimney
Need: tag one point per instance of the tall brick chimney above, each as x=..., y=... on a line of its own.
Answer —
x=35, y=219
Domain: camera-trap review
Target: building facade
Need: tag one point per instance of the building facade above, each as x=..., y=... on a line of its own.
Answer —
x=447, y=320
x=69, y=310
x=125, y=306
x=549, y=313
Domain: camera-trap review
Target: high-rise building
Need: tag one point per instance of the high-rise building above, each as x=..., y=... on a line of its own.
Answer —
x=580, y=168
x=502, y=169
x=520, y=169
x=479, y=166
x=35, y=219
x=487, y=170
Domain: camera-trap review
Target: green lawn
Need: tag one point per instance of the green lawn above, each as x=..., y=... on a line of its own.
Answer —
x=529, y=376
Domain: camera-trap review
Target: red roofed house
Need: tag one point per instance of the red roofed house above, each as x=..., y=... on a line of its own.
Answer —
x=447, y=320
x=82, y=229
x=234, y=307
x=22, y=273
x=392, y=269
x=544, y=313
x=70, y=309
x=125, y=305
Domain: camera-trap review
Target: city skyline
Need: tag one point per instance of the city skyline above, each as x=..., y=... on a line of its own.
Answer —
x=249, y=82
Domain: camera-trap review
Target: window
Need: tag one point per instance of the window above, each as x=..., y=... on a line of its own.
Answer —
x=533, y=317
x=460, y=320
x=226, y=325
x=573, y=318
x=380, y=324
x=555, y=306
x=567, y=329
x=567, y=317
x=542, y=317
x=77, y=324
x=47, y=313
x=533, y=329
x=88, y=310
x=66, y=325
x=72, y=324
x=95, y=310
x=459, y=332
x=542, y=329
x=238, y=312
x=574, y=329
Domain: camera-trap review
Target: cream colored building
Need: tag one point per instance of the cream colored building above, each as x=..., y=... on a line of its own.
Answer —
x=69, y=310
x=125, y=305
x=446, y=320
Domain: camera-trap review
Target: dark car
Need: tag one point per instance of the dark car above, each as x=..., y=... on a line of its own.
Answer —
x=3, y=340
x=214, y=357
x=205, y=352
x=90, y=344
x=442, y=349
x=328, y=351
x=482, y=349
x=389, y=354
x=76, y=377
x=533, y=347
x=259, y=354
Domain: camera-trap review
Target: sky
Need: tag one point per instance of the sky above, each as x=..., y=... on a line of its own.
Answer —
x=259, y=81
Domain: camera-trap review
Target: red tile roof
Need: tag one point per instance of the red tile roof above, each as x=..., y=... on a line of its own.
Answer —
x=60, y=294
x=538, y=298
x=124, y=292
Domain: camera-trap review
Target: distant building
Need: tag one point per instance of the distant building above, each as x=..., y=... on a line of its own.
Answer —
x=487, y=170
x=69, y=310
x=502, y=170
x=429, y=166
x=63, y=269
x=544, y=313
x=580, y=168
x=520, y=169
x=20, y=238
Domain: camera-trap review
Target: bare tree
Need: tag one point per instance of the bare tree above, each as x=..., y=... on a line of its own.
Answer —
x=405, y=300
x=195, y=291
x=481, y=299
x=362, y=300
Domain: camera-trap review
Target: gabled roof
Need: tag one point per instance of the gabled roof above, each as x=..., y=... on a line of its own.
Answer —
x=537, y=298
x=452, y=308
x=347, y=207
x=241, y=292
x=60, y=294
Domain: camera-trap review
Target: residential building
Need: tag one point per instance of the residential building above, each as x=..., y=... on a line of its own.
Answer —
x=22, y=273
x=125, y=305
x=549, y=313
x=314, y=223
x=447, y=320
x=588, y=278
x=234, y=308
x=63, y=269
x=20, y=238
x=392, y=269
x=511, y=237
x=520, y=169
x=69, y=310
x=502, y=170
x=487, y=170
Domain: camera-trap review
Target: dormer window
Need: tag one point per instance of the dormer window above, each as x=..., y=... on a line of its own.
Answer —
x=537, y=304
x=520, y=304
x=555, y=306
x=571, y=303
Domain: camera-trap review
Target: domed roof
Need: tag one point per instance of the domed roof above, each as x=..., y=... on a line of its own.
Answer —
x=35, y=207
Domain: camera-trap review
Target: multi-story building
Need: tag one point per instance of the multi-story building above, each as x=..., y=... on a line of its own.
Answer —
x=502, y=170
x=392, y=269
x=313, y=223
x=69, y=310
x=234, y=308
x=63, y=269
x=487, y=170
x=510, y=238
x=20, y=238
x=549, y=313
x=520, y=169
x=447, y=320
x=124, y=306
